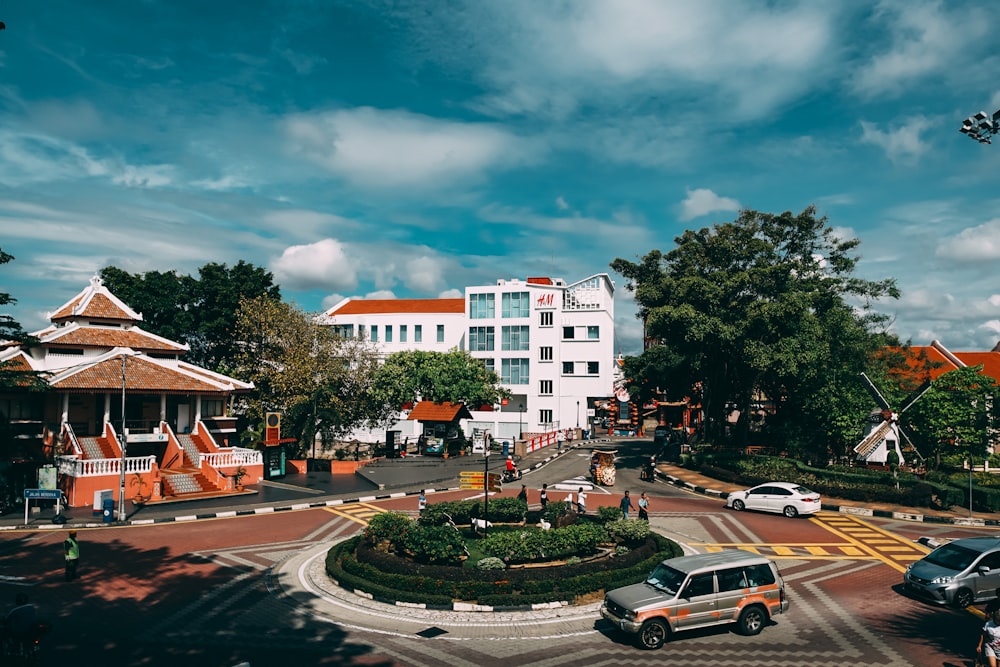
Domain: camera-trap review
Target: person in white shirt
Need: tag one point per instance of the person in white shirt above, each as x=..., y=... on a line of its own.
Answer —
x=581, y=501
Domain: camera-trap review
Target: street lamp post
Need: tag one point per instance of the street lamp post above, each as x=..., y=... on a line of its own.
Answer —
x=520, y=421
x=121, y=439
x=578, y=414
x=486, y=490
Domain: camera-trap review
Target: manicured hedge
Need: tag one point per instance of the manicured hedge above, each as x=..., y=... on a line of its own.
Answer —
x=357, y=566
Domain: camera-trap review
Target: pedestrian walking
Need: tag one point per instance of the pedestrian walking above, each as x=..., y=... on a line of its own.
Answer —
x=543, y=497
x=643, y=507
x=421, y=502
x=72, y=551
x=626, y=505
x=581, y=501
x=989, y=641
x=523, y=495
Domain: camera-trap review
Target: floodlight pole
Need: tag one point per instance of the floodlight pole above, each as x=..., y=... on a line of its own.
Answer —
x=486, y=489
x=121, y=440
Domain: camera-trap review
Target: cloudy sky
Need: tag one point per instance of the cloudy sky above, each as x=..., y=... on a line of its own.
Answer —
x=411, y=149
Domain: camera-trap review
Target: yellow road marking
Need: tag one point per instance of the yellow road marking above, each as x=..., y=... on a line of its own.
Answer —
x=877, y=552
x=357, y=512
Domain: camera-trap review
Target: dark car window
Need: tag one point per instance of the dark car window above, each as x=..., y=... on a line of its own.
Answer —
x=700, y=584
x=762, y=490
x=991, y=561
x=732, y=580
x=779, y=491
x=952, y=557
x=759, y=575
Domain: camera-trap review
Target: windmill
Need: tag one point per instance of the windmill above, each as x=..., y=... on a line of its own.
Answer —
x=883, y=426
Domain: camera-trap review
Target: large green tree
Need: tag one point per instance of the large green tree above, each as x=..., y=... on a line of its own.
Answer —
x=960, y=415
x=760, y=307
x=13, y=375
x=200, y=312
x=453, y=376
x=320, y=382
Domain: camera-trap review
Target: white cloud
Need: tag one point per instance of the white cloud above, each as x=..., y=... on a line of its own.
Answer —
x=561, y=204
x=452, y=294
x=901, y=145
x=424, y=274
x=976, y=244
x=925, y=39
x=703, y=201
x=385, y=149
x=324, y=264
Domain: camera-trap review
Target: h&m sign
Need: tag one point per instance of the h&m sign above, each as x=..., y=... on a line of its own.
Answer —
x=545, y=300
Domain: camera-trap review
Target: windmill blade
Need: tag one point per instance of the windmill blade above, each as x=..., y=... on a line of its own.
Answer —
x=879, y=398
x=910, y=442
x=915, y=396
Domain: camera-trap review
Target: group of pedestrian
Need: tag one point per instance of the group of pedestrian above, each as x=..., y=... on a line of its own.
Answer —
x=988, y=648
x=626, y=505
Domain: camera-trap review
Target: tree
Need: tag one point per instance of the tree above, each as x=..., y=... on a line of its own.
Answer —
x=956, y=416
x=200, y=312
x=453, y=376
x=12, y=374
x=320, y=382
x=747, y=307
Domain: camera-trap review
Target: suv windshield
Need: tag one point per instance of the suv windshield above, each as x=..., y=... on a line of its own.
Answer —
x=666, y=578
x=952, y=557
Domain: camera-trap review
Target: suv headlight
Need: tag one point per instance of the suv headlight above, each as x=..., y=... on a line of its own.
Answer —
x=941, y=580
x=629, y=615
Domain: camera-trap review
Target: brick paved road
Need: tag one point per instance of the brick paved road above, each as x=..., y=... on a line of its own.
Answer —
x=197, y=594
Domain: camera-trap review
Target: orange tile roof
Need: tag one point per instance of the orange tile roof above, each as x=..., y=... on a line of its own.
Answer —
x=389, y=306
x=430, y=411
x=141, y=375
x=98, y=307
x=540, y=281
x=920, y=354
x=137, y=339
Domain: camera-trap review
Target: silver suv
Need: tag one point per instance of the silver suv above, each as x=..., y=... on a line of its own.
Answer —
x=728, y=586
x=958, y=573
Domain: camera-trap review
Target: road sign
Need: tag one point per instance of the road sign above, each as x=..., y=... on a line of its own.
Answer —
x=43, y=494
x=470, y=480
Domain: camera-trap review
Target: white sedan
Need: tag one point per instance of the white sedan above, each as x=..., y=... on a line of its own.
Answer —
x=780, y=497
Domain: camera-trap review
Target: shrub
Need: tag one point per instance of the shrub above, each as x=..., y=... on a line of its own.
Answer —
x=491, y=563
x=434, y=544
x=621, y=550
x=627, y=531
x=606, y=514
x=387, y=527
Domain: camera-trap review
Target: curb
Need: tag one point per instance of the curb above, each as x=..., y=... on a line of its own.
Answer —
x=846, y=509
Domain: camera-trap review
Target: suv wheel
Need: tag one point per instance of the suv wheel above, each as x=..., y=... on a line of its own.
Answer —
x=752, y=620
x=963, y=598
x=653, y=634
x=791, y=512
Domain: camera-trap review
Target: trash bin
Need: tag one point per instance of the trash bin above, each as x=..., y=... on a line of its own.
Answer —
x=506, y=448
x=108, y=507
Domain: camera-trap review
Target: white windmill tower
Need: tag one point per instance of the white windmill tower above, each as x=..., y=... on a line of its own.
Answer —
x=884, y=432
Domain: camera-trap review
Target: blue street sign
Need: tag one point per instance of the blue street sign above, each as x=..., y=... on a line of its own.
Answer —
x=42, y=494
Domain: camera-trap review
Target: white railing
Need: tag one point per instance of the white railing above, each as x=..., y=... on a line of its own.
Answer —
x=237, y=456
x=74, y=467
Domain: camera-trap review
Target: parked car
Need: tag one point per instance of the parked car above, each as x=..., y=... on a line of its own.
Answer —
x=434, y=447
x=780, y=497
x=728, y=586
x=958, y=573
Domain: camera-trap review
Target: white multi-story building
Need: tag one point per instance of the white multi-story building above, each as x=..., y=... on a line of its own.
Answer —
x=551, y=343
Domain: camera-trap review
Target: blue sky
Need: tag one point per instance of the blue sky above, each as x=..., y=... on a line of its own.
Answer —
x=411, y=149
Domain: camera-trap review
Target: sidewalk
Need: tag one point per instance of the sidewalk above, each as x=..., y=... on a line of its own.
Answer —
x=699, y=483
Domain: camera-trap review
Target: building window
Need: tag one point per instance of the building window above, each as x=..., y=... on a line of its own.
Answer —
x=514, y=371
x=344, y=330
x=567, y=368
x=418, y=333
x=545, y=353
x=490, y=364
x=388, y=333
x=361, y=331
x=402, y=333
x=545, y=417
x=593, y=368
x=516, y=304
x=374, y=333
x=594, y=332
x=545, y=387
x=569, y=333
x=481, y=339
x=545, y=318
x=213, y=408
x=440, y=333
x=514, y=338
x=481, y=307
